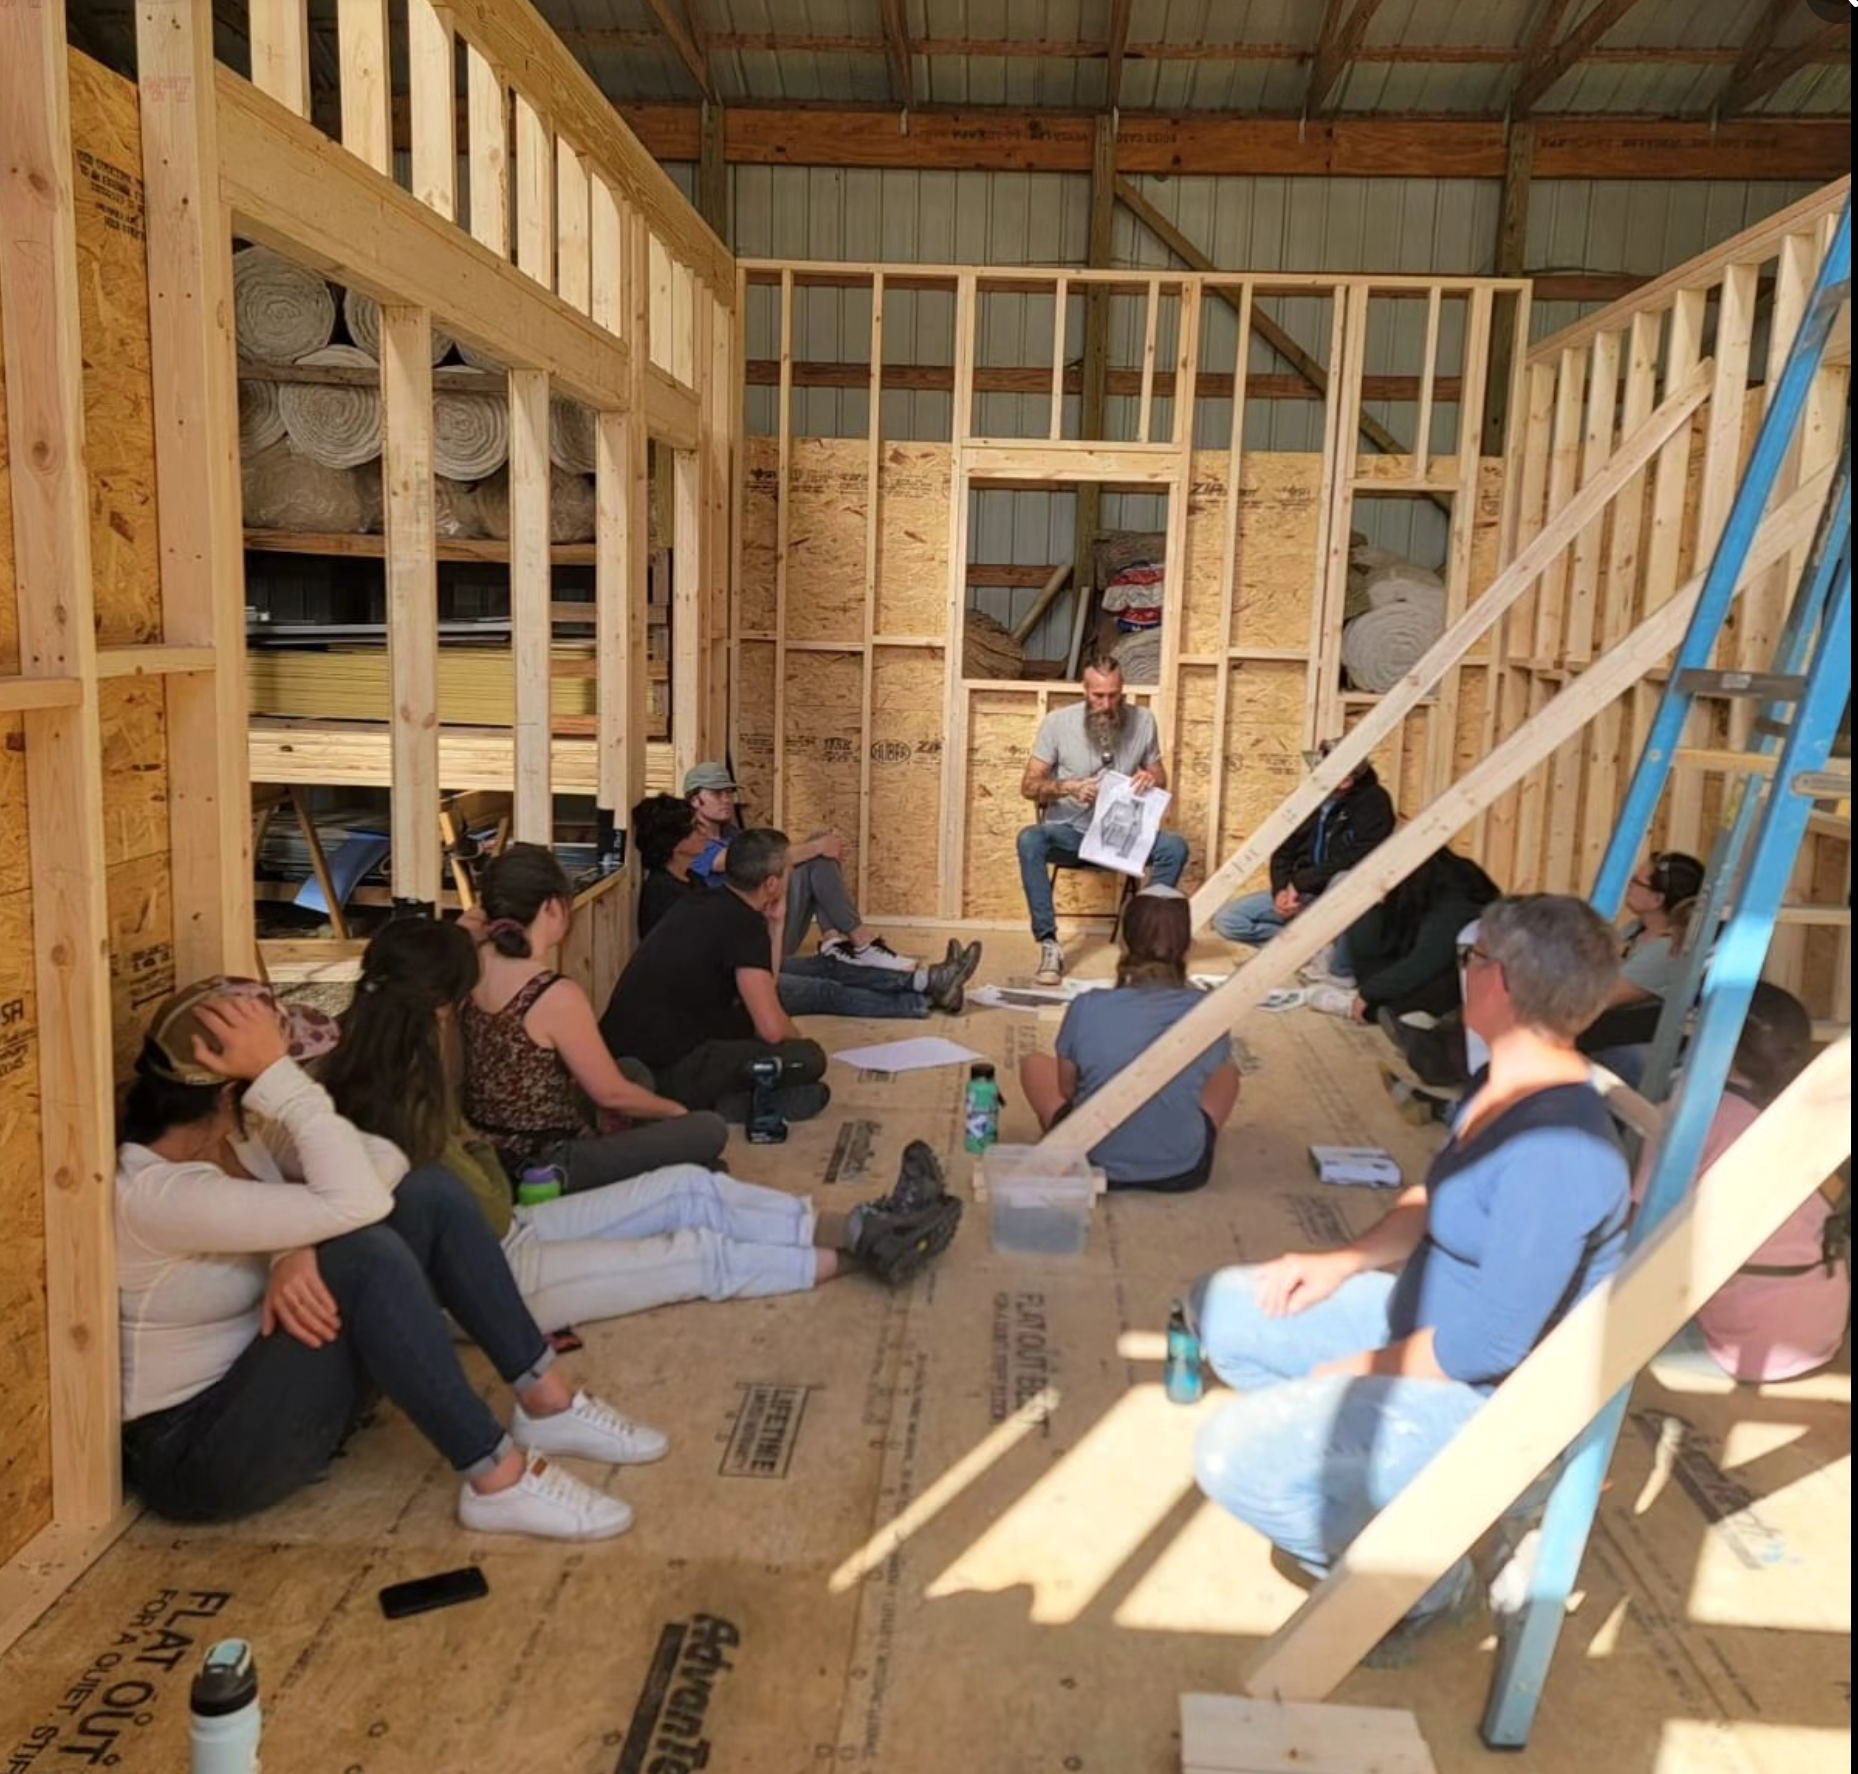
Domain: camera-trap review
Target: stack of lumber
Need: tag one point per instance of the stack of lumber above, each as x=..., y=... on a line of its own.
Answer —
x=477, y=685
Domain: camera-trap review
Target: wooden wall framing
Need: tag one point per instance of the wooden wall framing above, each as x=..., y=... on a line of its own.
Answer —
x=125, y=801
x=851, y=704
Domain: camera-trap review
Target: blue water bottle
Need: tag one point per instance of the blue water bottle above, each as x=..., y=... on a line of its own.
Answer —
x=226, y=1720
x=1184, y=1381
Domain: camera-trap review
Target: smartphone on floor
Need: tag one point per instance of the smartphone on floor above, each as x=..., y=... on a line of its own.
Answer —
x=401, y=1600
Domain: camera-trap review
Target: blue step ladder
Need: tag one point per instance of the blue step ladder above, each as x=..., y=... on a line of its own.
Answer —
x=1803, y=701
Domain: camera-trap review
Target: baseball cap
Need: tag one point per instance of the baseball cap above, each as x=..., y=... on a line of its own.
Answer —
x=169, y=1050
x=708, y=776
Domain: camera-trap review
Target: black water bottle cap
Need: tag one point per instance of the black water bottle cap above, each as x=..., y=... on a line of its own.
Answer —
x=228, y=1682
x=981, y=1069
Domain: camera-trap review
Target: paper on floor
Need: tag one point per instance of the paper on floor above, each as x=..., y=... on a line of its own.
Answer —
x=917, y=1055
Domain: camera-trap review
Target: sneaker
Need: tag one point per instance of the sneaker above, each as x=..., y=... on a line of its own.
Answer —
x=547, y=1501
x=920, y=1182
x=1051, y=963
x=590, y=1429
x=876, y=953
x=896, y=1246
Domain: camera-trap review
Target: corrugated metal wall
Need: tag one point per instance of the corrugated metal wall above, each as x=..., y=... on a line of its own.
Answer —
x=1343, y=225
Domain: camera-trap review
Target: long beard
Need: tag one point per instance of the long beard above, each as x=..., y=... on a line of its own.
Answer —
x=1104, y=730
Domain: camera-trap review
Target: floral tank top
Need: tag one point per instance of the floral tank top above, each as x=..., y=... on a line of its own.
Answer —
x=519, y=1096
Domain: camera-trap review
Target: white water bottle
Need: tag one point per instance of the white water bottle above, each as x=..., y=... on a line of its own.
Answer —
x=226, y=1719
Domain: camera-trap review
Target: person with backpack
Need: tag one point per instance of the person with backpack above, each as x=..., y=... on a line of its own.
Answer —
x=1785, y=1311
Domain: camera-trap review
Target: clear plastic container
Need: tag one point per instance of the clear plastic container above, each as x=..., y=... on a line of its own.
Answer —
x=1040, y=1202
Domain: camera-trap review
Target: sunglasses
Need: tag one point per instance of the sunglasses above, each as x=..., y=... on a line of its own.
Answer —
x=1469, y=954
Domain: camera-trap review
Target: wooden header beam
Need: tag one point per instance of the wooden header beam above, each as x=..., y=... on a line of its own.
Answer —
x=1121, y=12
x=997, y=139
x=296, y=191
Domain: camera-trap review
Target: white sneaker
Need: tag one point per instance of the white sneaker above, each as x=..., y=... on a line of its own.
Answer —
x=548, y=1502
x=876, y=953
x=590, y=1429
x=1051, y=964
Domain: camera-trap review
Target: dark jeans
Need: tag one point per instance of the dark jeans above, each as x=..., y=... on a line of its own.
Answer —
x=1042, y=846
x=275, y=1419
x=697, y=1138
x=719, y=1069
x=1625, y=1025
x=818, y=985
x=1196, y=1177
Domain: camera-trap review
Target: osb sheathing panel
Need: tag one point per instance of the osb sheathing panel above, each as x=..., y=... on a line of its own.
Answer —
x=133, y=718
x=119, y=427
x=25, y=1400
x=755, y=598
x=1264, y=756
x=9, y=597
x=141, y=950
x=828, y=483
x=912, y=539
x=1192, y=768
x=754, y=725
x=904, y=809
x=1001, y=727
x=824, y=697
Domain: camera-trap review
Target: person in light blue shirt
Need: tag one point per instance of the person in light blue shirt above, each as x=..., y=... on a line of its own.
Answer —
x=1351, y=1376
x=1166, y=1145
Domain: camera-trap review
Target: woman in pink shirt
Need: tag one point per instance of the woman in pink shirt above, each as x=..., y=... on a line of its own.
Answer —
x=1786, y=1310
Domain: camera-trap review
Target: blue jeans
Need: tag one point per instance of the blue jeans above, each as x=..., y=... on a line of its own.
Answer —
x=1252, y=918
x=1309, y=1462
x=819, y=985
x=1042, y=846
x=275, y=1419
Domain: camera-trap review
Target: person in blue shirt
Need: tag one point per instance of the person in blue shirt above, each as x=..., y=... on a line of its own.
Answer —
x=1355, y=1366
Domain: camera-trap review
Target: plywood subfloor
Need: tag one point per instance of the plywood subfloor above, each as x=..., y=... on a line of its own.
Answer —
x=954, y=1529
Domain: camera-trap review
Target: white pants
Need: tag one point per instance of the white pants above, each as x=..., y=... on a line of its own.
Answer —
x=681, y=1233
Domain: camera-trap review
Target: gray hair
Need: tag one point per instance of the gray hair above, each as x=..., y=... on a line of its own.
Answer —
x=1560, y=959
x=754, y=858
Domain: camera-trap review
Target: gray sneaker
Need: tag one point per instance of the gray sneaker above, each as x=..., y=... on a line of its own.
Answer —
x=1051, y=963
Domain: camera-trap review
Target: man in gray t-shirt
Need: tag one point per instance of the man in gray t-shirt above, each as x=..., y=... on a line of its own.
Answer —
x=1074, y=747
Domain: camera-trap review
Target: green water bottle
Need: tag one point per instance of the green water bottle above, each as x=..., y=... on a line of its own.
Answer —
x=982, y=1108
x=541, y=1182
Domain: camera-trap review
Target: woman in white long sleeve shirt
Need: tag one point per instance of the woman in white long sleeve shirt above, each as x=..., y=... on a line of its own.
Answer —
x=277, y=1267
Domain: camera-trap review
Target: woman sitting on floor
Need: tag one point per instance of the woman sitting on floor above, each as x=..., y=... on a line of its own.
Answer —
x=1661, y=898
x=1167, y=1145
x=680, y=1233
x=534, y=1060
x=665, y=831
x=1786, y=1310
x=1352, y=1377
x=816, y=888
x=277, y=1267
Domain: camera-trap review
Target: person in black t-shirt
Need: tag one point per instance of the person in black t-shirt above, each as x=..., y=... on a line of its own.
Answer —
x=665, y=834
x=698, y=1002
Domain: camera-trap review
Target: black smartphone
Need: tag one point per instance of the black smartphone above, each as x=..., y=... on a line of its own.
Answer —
x=423, y=1594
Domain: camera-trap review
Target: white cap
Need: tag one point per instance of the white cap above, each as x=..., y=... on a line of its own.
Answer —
x=1160, y=890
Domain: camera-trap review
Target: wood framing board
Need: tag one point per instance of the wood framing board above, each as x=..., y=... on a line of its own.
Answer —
x=828, y=507
x=119, y=425
x=760, y=507
x=755, y=667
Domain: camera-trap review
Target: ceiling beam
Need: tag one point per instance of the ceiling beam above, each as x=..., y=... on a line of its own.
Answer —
x=686, y=38
x=1121, y=11
x=1551, y=60
x=1745, y=89
x=1007, y=139
x=897, y=49
x=1761, y=39
x=1341, y=36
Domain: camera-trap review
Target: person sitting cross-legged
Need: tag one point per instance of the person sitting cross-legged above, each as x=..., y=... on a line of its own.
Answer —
x=1074, y=747
x=700, y=1004
x=1355, y=1366
x=1167, y=1144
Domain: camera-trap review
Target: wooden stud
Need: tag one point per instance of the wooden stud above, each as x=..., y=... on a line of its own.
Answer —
x=635, y=668
x=487, y=102
x=1342, y=426
x=955, y=707
x=684, y=353
x=198, y=501
x=687, y=730
x=1094, y=386
x=612, y=548
x=1177, y=563
x=1740, y=1202
x=723, y=395
x=1229, y=564
x=412, y=601
x=1596, y=444
x=573, y=230
x=280, y=38
x=1683, y=352
x=1061, y=297
x=606, y=253
x=1428, y=376
x=535, y=194
x=44, y=357
x=874, y=493
x=1152, y=306
x=783, y=516
x=1504, y=591
x=661, y=310
x=530, y=579
x=432, y=75
x=367, y=82
x=1240, y=997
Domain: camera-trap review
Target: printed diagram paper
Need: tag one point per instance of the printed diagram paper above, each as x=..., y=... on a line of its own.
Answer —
x=1123, y=825
x=918, y=1055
